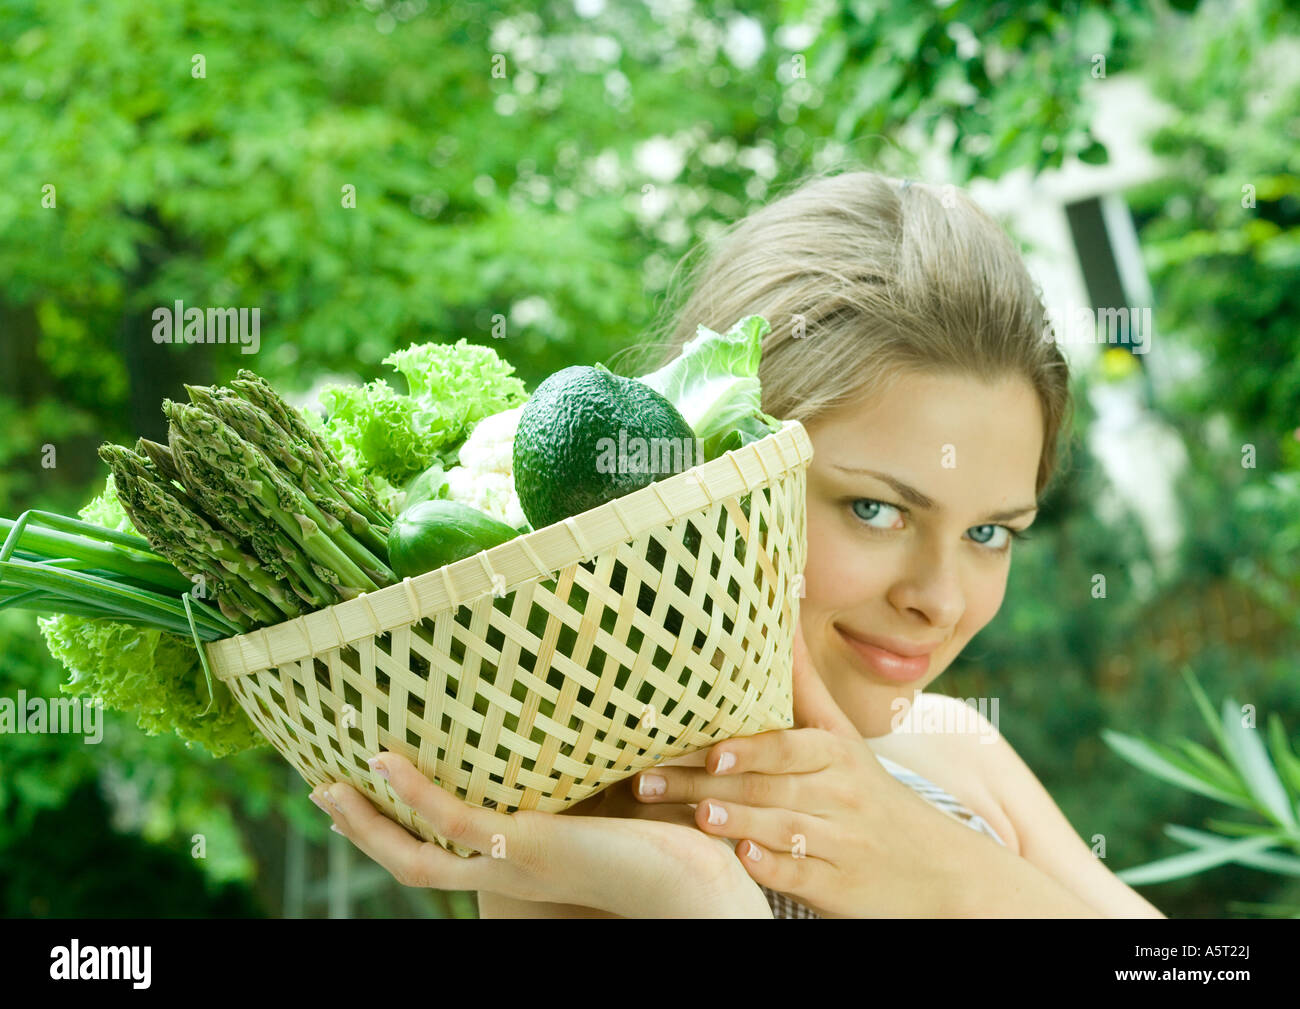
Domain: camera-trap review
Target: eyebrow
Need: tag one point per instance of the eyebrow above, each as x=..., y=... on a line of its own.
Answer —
x=914, y=497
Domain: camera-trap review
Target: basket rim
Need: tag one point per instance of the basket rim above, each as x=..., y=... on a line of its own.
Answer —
x=540, y=554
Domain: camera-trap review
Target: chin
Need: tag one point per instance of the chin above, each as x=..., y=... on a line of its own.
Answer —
x=876, y=706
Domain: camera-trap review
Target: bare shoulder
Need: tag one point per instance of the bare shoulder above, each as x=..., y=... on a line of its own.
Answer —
x=947, y=741
x=1003, y=789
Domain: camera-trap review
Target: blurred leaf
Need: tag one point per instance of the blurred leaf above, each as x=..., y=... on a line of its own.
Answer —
x=1250, y=758
x=1205, y=857
x=1270, y=861
x=1287, y=763
x=1219, y=774
x=1147, y=756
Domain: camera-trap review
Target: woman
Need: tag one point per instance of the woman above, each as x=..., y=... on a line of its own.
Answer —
x=907, y=337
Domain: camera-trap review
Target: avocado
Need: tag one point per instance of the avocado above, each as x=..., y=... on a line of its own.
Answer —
x=434, y=533
x=588, y=436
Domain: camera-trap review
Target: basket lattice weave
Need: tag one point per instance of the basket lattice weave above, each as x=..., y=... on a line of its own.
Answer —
x=547, y=668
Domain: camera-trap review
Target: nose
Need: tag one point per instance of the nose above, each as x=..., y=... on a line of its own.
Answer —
x=930, y=586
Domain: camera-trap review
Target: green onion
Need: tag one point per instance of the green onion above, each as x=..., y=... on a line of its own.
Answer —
x=77, y=567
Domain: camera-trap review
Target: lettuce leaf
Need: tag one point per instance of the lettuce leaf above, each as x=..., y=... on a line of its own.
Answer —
x=151, y=674
x=714, y=385
x=393, y=436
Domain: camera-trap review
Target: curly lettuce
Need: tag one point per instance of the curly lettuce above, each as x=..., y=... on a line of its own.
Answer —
x=392, y=436
x=151, y=674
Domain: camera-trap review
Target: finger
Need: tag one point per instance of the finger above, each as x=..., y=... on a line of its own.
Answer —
x=814, y=707
x=781, y=751
x=412, y=861
x=775, y=829
x=466, y=824
x=809, y=880
x=692, y=784
x=620, y=804
x=331, y=798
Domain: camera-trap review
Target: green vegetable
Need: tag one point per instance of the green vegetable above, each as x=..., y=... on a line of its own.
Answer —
x=296, y=449
x=714, y=384
x=152, y=674
x=427, y=486
x=242, y=486
x=393, y=436
x=432, y=534
x=194, y=546
x=588, y=436
x=249, y=498
x=96, y=571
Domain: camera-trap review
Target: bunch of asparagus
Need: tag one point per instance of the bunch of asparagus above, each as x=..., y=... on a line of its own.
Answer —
x=248, y=500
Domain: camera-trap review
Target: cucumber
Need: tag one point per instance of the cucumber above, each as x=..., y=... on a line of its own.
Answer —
x=431, y=534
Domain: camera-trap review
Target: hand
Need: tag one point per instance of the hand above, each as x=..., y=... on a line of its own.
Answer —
x=635, y=868
x=815, y=813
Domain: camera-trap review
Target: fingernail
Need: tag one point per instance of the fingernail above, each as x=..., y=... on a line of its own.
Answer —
x=316, y=799
x=754, y=851
x=651, y=784
x=378, y=768
x=725, y=762
x=332, y=801
x=335, y=827
x=717, y=815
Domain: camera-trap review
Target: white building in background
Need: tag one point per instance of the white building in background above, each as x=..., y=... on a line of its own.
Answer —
x=1083, y=251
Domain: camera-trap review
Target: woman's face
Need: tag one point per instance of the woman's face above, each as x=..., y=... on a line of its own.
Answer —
x=910, y=498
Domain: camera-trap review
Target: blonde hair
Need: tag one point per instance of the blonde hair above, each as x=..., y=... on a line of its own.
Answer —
x=884, y=278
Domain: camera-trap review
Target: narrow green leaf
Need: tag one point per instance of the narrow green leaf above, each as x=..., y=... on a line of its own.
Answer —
x=1191, y=862
x=1270, y=861
x=1247, y=752
x=1206, y=709
x=1142, y=754
x=68, y=524
x=1235, y=828
x=1288, y=765
x=1194, y=768
x=1219, y=771
x=1264, y=910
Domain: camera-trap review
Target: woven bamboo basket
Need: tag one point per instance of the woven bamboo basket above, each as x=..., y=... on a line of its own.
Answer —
x=534, y=674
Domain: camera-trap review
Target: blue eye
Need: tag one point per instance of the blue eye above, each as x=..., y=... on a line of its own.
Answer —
x=868, y=511
x=985, y=535
x=980, y=536
x=880, y=516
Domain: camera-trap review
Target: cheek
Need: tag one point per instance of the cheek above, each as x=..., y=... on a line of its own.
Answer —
x=984, y=596
x=837, y=575
x=831, y=567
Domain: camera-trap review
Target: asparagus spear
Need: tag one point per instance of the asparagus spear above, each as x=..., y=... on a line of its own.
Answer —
x=193, y=545
x=248, y=472
x=257, y=391
x=246, y=494
x=161, y=457
x=256, y=426
x=136, y=491
x=282, y=555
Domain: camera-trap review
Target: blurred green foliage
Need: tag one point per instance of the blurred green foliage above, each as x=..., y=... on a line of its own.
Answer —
x=1225, y=278
x=527, y=177
x=1047, y=654
x=1221, y=228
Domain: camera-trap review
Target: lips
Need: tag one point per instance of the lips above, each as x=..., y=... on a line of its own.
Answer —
x=900, y=648
x=898, y=661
